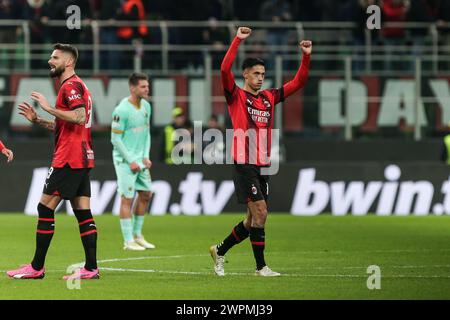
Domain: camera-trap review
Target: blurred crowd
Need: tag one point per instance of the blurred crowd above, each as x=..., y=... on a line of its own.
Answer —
x=40, y=12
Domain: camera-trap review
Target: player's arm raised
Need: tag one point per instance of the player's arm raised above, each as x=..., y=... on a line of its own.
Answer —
x=30, y=114
x=77, y=116
x=300, y=78
x=225, y=69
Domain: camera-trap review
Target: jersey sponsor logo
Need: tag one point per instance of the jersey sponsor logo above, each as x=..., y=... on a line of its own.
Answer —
x=259, y=115
x=139, y=129
x=75, y=97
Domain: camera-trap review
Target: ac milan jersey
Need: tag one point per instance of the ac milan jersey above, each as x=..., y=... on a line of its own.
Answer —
x=252, y=118
x=252, y=115
x=73, y=142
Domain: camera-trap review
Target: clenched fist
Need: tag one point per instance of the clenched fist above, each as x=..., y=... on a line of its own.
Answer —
x=243, y=32
x=306, y=46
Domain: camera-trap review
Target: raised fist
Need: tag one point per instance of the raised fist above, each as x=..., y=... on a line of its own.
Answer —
x=243, y=32
x=306, y=46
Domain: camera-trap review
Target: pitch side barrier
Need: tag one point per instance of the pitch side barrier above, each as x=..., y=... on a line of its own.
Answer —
x=309, y=189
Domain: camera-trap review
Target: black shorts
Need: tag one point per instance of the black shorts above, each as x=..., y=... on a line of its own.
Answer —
x=68, y=183
x=249, y=184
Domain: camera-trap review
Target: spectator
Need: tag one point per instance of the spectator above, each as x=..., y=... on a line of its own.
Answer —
x=109, y=10
x=423, y=11
x=132, y=10
x=9, y=10
x=214, y=151
x=245, y=10
x=445, y=149
x=173, y=137
x=59, y=12
x=444, y=32
x=393, y=36
x=359, y=16
x=216, y=37
x=276, y=11
x=37, y=13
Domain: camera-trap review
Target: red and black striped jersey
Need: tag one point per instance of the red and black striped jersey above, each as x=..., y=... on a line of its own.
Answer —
x=73, y=142
x=252, y=116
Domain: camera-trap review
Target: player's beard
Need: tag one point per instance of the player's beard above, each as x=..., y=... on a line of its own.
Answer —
x=57, y=72
x=143, y=96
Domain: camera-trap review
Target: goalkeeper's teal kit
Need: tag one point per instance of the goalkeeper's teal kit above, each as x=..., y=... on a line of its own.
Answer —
x=130, y=136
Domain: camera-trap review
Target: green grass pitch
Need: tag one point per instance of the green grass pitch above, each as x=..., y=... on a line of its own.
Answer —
x=321, y=257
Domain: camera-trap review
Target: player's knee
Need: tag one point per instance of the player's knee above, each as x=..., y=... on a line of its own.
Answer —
x=259, y=222
x=261, y=210
x=145, y=196
x=259, y=215
x=127, y=201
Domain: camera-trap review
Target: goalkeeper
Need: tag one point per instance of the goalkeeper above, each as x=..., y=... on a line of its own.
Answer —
x=130, y=136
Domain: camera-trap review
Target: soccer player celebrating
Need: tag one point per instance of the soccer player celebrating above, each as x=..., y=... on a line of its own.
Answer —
x=252, y=109
x=73, y=158
x=130, y=136
x=8, y=153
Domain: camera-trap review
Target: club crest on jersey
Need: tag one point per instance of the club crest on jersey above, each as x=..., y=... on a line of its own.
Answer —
x=267, y=104
x=254, y=190
x=116, y=118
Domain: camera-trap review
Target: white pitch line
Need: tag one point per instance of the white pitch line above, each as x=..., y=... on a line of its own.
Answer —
x=271, y=253
x=283, y=275
x=152, y=257
x=288, y=275
x=251, y=274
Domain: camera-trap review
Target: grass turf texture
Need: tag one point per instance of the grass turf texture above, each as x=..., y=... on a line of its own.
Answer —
x=320, y=257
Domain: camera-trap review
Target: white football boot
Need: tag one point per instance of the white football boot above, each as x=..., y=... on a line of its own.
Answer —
x=133, y=246
x=267, y=272
x=143, y=243
x=218, y=261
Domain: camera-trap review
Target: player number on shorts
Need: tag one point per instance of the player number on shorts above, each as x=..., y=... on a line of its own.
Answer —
x=89, y=113
x=50, y=171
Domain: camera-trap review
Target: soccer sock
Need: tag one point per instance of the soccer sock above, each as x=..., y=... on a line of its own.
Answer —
x=88, y=234
x=44, y=235
x=257, y=238
x=138, y=222
x=127, y=229
x=238, y=234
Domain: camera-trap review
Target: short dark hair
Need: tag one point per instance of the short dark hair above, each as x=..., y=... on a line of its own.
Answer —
x=135, y=77
x=67, y=48
x=251, y=62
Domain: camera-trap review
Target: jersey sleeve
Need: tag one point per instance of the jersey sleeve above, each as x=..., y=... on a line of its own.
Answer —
x=73, y=93
x=277, y=94
x=118, y=127
x=149, y=138
x=119, y=121
x=300, y=78
x=2, y=146
x=228, y=83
